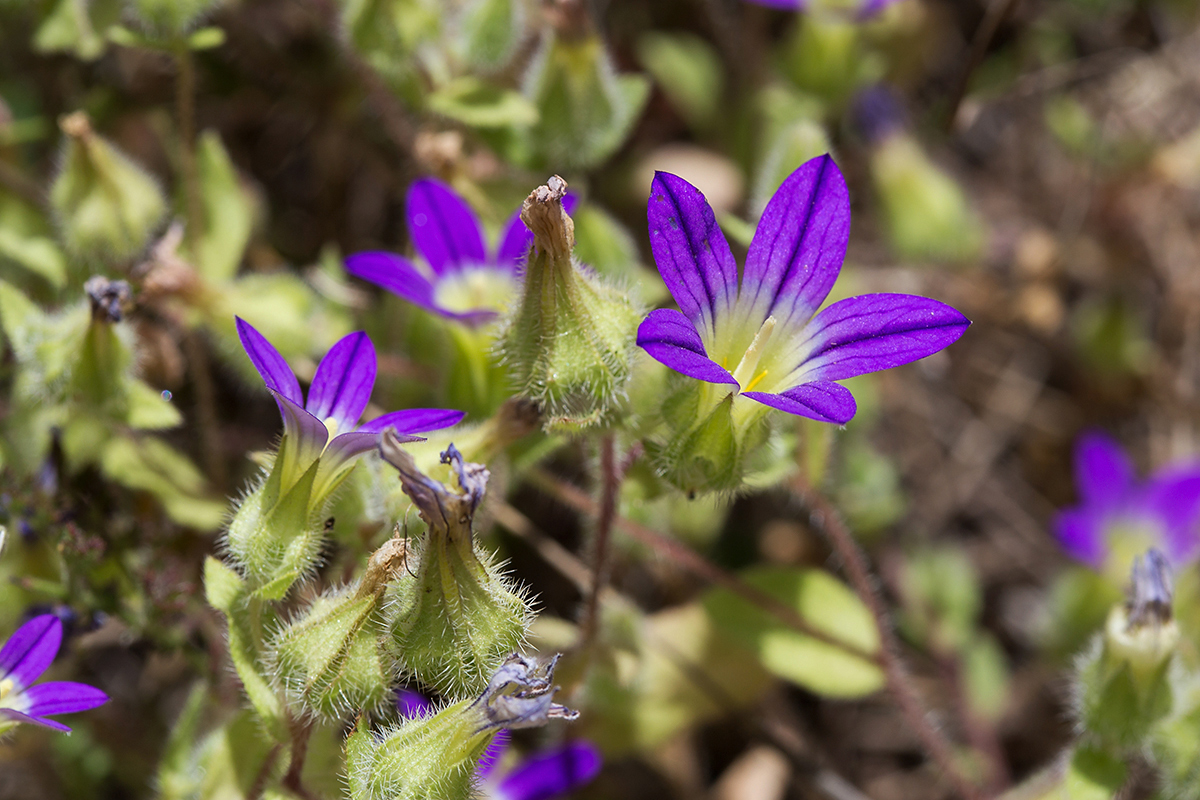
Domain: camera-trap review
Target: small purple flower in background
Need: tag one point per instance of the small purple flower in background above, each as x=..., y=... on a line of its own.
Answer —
x=23, y=659
x=1118, y=512
x=326, y=427
x=462, y=281
x=551, y=773
x=764, y=336
x=862, y=9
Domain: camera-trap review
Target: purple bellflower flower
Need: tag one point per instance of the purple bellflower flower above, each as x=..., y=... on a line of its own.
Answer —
x=549, y=774
x=1119, y=513
x=23, y=659
x=327, y=425
x=763, y=338
x=459, y=279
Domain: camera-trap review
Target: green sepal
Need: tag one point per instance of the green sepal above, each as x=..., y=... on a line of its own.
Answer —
x=228, y=212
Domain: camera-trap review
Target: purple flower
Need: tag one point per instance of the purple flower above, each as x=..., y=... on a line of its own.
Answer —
x=862, y=9
x=23, y=659
x=326, y=426
x=461, y=282
x=764, y=336
x=1117, y=510
x=548, y=774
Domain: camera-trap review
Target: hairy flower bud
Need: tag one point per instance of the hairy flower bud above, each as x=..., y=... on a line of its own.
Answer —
x=328, y=660
x=433, y=757
x=107, y=206
x=457, y=620
x=569, y=343
x=1123, y=688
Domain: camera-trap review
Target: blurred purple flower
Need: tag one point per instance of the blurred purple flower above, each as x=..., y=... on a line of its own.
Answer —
x=878, y=112
x=326, y=426
x=861, y=9
x=764, y=337
x=551, y=773
x=1163, y=511
x=23, y=659
x=462, y=281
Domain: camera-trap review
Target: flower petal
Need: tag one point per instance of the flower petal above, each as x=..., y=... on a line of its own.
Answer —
x=1103, y=473
x=492, y=755
x=1173, y=498
x=443, y=227
x=412, y=704
x=670, y=338
x=691, y=252
x=18, y=716
x=553, y=774
x=799, y=245
x=345, y=377
x=1080, y=531
x=515, y=238
x=415, y=420
x=62, y=697
x=306, y=435
x=395, y=273
x=823, y=401
x=30, y=650
x=271, y=366
x=877, y=331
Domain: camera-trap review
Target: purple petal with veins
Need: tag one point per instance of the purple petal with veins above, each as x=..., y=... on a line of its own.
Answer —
x=799, y=244
x=270, y=364
x=342, y=385
x=823, y=401
x=443, y=227
x=30, y=650
x=394, y=273
x=552, y=774
x=874, y=332
x=61, y=697
x=670, y=338
x=690, y=250
x=17, y=716
x=415, y=420
x=306, y=436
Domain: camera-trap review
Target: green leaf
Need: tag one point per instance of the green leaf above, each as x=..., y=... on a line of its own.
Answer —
x=148, y=409
x=72, y=27
x=206, y=39
x=178, y=777
x=1094, y=775
x=689, y=71
x=154, y=466
x=228, y=211
x=17, y=312
x=37, y=254
x=825, y=604
x=222, y=585
x=482, y=105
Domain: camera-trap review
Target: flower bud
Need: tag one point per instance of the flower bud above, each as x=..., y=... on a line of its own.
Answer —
x=586, y=108
x=569, y=344
x=328, y=660
x=106, y=205
x=1123, y=688
x=457, y=620
x=433, y=757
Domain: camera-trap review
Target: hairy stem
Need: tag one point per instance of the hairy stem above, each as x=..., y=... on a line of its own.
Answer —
x=610, y=483
x=826, y=518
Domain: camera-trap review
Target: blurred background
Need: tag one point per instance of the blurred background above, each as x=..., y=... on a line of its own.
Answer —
x=1033, y=163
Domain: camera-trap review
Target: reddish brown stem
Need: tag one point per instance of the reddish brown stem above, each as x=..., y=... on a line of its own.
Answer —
x=826, y=518
x=610, y=484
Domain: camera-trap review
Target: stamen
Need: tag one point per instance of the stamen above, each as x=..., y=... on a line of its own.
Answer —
x=331, y=424
x=748, y=366
x=6, y=686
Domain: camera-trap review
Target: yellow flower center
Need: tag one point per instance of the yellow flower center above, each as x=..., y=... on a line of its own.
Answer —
x=331, y=425
x=747, y=374
x=6, y=687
